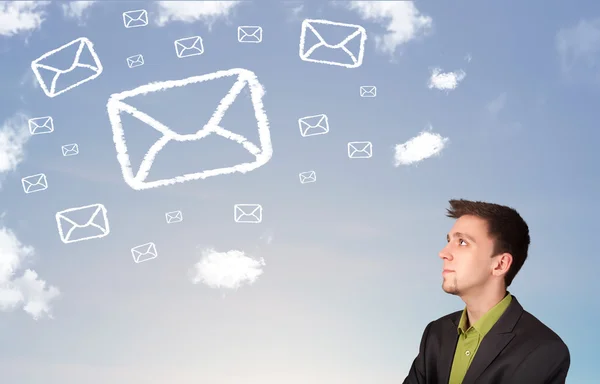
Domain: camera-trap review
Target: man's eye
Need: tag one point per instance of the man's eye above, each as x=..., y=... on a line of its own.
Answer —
x=460, y=241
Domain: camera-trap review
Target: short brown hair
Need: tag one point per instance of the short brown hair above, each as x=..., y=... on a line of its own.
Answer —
x=508, y=229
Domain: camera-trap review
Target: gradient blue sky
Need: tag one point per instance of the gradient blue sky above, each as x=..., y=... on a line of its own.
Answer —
x=352, y=275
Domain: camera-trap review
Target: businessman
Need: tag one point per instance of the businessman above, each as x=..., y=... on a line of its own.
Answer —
x=493, y=340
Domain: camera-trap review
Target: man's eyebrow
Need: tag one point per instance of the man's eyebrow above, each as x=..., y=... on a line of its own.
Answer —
x=460, y=234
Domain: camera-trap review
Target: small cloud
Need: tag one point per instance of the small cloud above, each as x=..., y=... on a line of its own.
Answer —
x=76, y=9
x=191, y=11
x=21, y=16
x=578, y=48
x=468, y=57
x=267, y=237
x=445, y=81
x=14, y=134
x=228, y=270
x=495, y=106
x=26, y=290
x=294, y=8
x=419, y=148
x=401, y=19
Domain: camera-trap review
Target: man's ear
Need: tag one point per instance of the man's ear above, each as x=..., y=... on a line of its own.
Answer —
x=502, y=264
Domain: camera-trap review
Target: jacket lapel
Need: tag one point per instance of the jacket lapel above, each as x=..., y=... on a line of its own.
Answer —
x=448, y=346
x=495, y=341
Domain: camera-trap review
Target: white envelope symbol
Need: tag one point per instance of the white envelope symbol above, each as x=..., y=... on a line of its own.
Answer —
x=135, y=61
x=246, y=80
x=92, y=70
x=70, y=149
x=144, y=252
x=41, y=125
x=82, y=223
x=368, y=91
x=35, y=183
x=250, y=34
x=137, y=18
x=174, y=217
x=313, y=125
x=308, y=177
x=351, y=31
x=247, y=213
x=189, y=46
x=360, y=149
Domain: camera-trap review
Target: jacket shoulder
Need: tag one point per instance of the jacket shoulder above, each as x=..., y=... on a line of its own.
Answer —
x=540, y=332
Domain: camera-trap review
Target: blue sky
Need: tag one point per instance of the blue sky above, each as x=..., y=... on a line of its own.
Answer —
x=342, y=275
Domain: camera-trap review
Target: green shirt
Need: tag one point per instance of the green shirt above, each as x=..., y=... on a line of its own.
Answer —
x=469, y=339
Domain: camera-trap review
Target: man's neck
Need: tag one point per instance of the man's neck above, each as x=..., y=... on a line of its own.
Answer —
x=478, y=305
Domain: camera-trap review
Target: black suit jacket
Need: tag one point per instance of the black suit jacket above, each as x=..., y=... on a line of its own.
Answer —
x=519, y=349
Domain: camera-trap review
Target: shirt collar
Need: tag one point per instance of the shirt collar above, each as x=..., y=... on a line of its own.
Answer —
x=487, y=321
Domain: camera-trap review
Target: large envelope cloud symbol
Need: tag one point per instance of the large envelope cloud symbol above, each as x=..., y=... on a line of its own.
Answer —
x=117, y=104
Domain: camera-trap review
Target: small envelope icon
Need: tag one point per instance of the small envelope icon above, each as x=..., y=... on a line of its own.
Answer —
x=70, y=149
x=41, y=125
x=308, y=177
x=245, y=81
x=321, y=48
x=48, y=76
x=82, y=223
x=250, y=34
x=135, y=61
x=137, y=18
x=313, y=125
x=144, y=252
x=174, y=217
x=360, y=149
x=247, y=213
x=368, y=91
x=35, y=183
x=189, y=46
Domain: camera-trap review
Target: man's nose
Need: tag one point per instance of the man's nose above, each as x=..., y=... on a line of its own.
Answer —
x=445, y=254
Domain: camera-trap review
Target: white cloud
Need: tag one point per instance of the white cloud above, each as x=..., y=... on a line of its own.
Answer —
x=192, y=11
x=401, y=19
x=26, y=290
x=21, y=16
x=579, y=48
x=228, y=269
x=76, y=9
x=419, y=148
x=468, y=57
x=495, y=106
x=14, y=133
x=445, y=81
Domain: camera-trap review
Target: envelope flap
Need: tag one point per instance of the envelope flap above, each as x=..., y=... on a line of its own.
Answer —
x=331, y=34
x=314, y=121
x=361, y=146
x=190, y=42
x=137, y=15
x=145, y=249
x=250, y=31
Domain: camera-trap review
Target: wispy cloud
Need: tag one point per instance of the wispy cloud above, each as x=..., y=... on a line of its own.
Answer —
x=419, y=148
x=76, y=9
x=228, y=270
x=495, y=106
x=191, y=11
x=401, y=19
x=445, y=81
x=27, y=290
x=21, y=16
x=578, y=48
x=468, y=57
x=14, y=134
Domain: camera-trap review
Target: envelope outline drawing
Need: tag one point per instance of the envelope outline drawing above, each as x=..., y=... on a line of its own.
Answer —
x=313, y=125
x=189, y=46
x=70, y=236
x=84, y=43
x=135, y=18
x=246, y=79
x=368, y=91
x=135, y=61
x=70, y=149
x=144, y=252
x=247, y=213
x=311, y=25
x=174, y=217
x=250, y=34
x=35, y=183
x=308, y=177
x=41, y=125
x=360, y=149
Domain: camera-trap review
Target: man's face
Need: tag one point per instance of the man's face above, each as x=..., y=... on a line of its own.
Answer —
x=467, y=257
